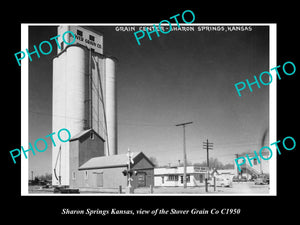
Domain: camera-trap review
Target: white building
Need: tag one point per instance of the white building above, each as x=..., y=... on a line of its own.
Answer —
x=173, y=176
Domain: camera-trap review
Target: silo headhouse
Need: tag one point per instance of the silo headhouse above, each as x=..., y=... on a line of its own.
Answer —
x=84, y=101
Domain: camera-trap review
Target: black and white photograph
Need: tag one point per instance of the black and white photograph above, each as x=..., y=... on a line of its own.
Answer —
x=159, y=117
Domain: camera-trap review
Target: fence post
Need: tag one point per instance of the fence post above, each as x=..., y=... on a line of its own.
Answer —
x=215, y=183
x=151, y=189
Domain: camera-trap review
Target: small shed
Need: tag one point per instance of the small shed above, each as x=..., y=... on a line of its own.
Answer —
x=107, y=171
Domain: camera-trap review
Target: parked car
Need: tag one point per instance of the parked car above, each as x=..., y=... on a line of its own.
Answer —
x=235, y=179
x=221, y=182
x=224, y=182
x=241, y=179
x=262, y=179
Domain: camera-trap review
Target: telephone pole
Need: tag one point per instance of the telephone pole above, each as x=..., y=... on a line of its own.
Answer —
x=237, y=169
x=184, y=151
x=208, y=146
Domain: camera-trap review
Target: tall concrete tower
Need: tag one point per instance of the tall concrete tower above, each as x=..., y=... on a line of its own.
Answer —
x=84, y=94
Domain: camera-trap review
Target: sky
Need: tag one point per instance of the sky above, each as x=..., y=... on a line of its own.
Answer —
x=175, y=78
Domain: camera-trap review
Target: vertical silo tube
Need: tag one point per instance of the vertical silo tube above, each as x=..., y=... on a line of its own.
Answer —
x=56, y=120
x=111, y=106
x=59, y=115
x=99, y=116
x=77, y=69
x=69, y=74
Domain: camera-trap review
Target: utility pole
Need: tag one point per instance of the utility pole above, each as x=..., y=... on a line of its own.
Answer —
x=129, y=172
x=237, y=169
x=184, y=151
x=208, y=146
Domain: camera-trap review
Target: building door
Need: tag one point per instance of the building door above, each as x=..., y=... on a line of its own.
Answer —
x=141, y=179
x=99, y=179
x=201, y=178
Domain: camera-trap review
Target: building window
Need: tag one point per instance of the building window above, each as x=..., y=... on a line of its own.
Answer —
x=201, y=178
x=92, y=38
x=73, y=175
x=86, y=175
x=187, y=179
x=79, y=32
x=92, y=135
x=162, y=179
x=173, y=177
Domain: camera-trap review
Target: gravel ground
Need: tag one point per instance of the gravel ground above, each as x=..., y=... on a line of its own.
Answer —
x=244, y=188
x=237, y=188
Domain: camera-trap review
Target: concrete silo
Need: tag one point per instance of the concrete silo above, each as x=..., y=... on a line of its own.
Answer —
x=111, y=105
x=84, y=95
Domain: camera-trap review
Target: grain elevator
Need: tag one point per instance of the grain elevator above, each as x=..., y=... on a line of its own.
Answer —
x=84, y=100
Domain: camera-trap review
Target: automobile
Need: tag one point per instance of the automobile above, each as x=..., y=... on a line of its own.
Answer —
x=222, y=182
x=235, y=179
x=262, y=179
x=241, y=179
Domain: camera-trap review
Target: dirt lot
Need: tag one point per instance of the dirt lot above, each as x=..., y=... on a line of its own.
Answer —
x=237, y=188
x=244, y=188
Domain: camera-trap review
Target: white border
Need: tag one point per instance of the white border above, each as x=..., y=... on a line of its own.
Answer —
x=24, y=110
x=272, y=106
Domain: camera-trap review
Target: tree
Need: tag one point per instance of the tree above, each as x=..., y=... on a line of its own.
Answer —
x=153, y=160
x=215, y=163
x=46, y=176
x=228, y=166
x=203, y=164
x=188, y=163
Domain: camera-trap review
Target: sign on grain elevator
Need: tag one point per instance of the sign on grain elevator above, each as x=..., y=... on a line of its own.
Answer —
x=85, y=37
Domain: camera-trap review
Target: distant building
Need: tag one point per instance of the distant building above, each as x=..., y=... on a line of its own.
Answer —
x=259, y=166
x=173, y=176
